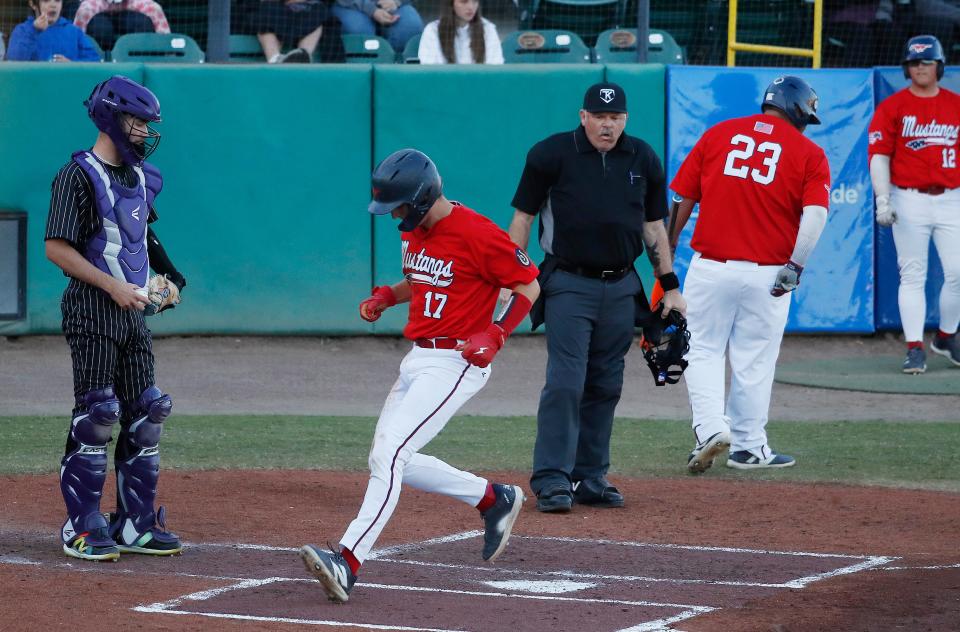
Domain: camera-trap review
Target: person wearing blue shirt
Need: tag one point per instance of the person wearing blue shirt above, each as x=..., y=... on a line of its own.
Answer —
x=49, y=37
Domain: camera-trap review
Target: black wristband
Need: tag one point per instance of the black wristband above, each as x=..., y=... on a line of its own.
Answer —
x=669, y=281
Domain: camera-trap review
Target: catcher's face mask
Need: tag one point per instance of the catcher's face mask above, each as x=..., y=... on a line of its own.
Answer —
x=664, y=342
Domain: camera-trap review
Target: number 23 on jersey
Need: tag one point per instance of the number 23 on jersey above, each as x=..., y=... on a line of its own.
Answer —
x=743, y=148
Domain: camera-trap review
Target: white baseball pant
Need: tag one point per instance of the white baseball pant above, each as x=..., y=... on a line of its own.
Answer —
x=920, y=217
x=433, y=384
x=730, y=313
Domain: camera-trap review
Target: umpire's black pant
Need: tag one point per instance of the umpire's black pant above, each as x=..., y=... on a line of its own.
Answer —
x=589, y=329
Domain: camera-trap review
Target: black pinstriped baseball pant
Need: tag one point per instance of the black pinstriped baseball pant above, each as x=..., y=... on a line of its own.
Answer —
x=109, y=346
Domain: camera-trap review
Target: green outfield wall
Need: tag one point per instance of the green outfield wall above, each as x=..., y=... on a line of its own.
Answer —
x=266, y=173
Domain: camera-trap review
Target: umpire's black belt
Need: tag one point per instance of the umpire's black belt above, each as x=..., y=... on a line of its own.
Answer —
x=605, y=274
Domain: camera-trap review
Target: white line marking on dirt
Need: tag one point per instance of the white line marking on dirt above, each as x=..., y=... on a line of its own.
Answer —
x=247, y=617
x=916, y=568
x=582, y=575
x=16, y=559
x=402, y=548
x=203, y=595
x=688, y=547
x=867, y=564
x=663, y=625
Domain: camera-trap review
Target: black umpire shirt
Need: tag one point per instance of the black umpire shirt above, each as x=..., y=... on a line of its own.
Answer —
x=592, y=205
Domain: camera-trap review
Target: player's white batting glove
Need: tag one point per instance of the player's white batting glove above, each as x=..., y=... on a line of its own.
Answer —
x=886, y=216
x=788, y=278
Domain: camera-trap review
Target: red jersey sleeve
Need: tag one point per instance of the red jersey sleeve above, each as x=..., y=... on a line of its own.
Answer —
x=502, y=262
x=881, y=137
x=687, y=180
x=816, y=184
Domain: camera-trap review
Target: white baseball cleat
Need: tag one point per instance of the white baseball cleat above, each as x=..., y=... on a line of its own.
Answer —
x=703, y=456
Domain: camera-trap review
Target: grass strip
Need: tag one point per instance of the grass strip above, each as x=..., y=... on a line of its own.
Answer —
x=915, y=455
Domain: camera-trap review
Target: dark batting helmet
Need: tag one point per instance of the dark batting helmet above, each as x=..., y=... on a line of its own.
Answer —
x=107, y=105
x=406, y=177
x=794, y=97
x=923, y=48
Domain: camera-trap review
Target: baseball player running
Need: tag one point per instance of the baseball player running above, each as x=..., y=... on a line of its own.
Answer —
x=913, y=166
x=454, y=263
x=763, y=190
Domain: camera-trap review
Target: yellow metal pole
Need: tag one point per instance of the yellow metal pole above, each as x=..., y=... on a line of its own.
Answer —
x=773, y=50
x=732, y=33
x=817, y=31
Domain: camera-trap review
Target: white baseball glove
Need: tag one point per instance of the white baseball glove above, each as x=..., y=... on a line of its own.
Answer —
x=162, y=293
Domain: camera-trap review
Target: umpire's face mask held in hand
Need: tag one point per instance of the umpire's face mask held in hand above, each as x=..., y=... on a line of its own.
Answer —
x=603, y=128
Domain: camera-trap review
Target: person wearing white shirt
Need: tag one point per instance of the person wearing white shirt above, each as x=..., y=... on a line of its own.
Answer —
x=461, y=35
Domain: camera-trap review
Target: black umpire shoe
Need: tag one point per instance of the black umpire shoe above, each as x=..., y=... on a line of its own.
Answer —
x=555, y=500
x=597, y=492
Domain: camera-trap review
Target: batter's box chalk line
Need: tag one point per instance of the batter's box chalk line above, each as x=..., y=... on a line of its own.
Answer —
x=180, y=605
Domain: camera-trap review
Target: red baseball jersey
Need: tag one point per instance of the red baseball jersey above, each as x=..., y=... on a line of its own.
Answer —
x=752, y=177
x=455, y=270
x=920, y=136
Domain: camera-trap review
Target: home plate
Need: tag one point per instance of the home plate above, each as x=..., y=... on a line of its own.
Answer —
x=549, y=587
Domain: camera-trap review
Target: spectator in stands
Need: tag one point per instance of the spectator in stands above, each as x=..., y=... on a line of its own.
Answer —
x=857, y=31
x=396, y=20
x=48, y=36
x=106, y=20
x=278, y=23
x=937, y=17
x=460, y=36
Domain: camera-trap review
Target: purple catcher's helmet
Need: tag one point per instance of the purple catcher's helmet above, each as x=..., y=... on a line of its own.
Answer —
x=113, y=98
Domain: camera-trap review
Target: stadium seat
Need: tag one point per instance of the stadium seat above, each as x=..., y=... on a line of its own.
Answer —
x=587, y=18
x=411, y=52
x=548, y=46
x=96, y=47
x=157, y=48
x=367, y=49
x=619, y=46
x=245, y=49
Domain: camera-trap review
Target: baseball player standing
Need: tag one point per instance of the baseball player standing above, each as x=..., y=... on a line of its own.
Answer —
x=913, y=166
x=763, y=189
x=97, y=233
x=454, y=263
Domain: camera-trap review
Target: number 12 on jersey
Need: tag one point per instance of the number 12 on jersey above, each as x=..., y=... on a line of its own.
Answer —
x=745, y=147
x=431, y=308
x=949, y=158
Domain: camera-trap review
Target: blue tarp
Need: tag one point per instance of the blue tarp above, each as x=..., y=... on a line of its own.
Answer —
x=837, y=289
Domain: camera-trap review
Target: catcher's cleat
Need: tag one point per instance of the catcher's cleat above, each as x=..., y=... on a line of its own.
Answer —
x=745, y=460
x=703, y=456
x=948, y=347
x=95, y=545
x=331, y=570
x=915, y=362
x=154, y=541
x=498, y=520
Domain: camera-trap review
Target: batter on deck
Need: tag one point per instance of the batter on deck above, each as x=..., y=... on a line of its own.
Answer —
x=454, y=262
x=763, y=189
x=913, y=147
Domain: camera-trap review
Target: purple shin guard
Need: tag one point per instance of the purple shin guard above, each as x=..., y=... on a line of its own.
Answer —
x=83, y=469
x=136, y=525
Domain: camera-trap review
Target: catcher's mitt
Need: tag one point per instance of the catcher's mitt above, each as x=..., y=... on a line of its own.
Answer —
x=162, y=293
x=664, y=342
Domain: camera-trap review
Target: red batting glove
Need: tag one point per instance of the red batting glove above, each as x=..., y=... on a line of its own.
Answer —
x=480, y=348
x=380, y=299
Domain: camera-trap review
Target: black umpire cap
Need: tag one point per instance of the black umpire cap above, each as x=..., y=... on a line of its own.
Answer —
x=605, y=97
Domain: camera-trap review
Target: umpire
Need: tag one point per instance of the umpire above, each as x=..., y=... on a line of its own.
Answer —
x=601, y=196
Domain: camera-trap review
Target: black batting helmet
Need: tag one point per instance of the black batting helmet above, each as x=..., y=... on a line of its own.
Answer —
x=794, y=97
x=923, y=48
x=407, y=177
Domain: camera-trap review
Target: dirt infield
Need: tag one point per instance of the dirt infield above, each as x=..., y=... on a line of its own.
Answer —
x=691, y=554
x=687, y=554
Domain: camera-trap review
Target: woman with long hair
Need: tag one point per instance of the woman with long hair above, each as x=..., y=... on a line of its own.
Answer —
x=460, y=36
